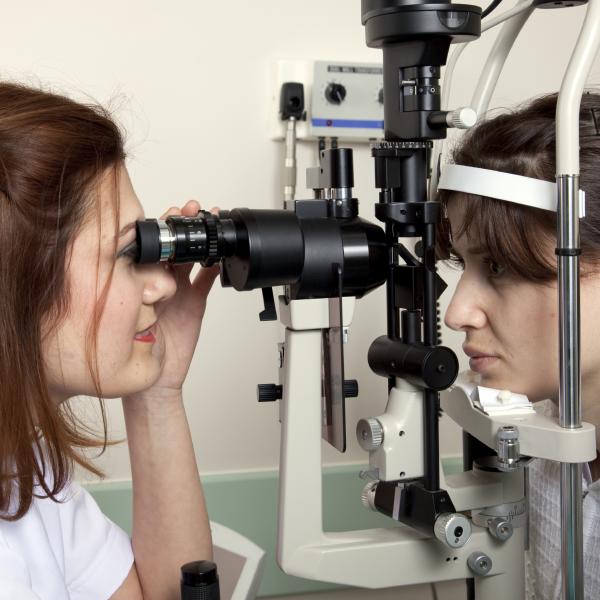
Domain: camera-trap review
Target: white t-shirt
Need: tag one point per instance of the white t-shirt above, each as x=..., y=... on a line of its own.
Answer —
x=63, y=551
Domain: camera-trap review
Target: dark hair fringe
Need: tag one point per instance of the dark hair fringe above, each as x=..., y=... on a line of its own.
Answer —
x=523, y=142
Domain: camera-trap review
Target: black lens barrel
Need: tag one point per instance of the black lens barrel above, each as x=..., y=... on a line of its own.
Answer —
x=267, y=248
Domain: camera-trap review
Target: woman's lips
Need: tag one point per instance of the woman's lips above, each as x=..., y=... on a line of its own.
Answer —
x=146, y=336
x=479, y=360
x=479, y=364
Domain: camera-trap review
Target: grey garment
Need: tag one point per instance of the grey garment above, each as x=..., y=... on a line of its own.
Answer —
x=543, y=561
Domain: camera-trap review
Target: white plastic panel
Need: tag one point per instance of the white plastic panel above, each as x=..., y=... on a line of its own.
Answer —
x=357, y=118
x=359, y=114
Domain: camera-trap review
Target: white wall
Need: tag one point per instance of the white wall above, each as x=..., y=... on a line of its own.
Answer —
x=190, y=80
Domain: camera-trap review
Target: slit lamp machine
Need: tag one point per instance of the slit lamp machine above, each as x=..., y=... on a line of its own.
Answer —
x=471, y=525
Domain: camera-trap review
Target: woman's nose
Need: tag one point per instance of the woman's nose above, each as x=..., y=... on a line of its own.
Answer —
x=466, y=309
x=160, y=283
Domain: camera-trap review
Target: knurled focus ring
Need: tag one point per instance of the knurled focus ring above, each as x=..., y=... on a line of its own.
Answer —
x=213, y=238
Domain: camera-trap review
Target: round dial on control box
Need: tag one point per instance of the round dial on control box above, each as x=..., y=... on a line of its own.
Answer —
x=335, y=93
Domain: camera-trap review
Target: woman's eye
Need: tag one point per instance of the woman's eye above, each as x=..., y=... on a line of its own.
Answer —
x=128, y=252
x=495, y=269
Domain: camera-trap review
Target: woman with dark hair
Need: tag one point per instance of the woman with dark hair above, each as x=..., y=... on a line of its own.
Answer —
x=78, y=318
x=506, y=302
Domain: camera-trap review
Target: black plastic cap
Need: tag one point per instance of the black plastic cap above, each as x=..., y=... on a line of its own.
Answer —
x=350, y=388
x=148, y=237
x=269, y=392
x=440, y=368
x=291, y=101
x=199, y=573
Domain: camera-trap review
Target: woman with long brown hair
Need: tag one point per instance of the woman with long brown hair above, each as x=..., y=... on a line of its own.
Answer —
x=506, y=301
x=78, y=318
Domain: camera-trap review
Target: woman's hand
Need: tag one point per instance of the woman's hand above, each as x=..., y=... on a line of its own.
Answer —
x=180, y=318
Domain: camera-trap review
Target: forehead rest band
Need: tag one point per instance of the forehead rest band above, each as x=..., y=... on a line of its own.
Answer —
x=528, y=191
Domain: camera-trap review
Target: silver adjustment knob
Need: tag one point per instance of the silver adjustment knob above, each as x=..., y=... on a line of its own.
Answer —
x=500, y=528
x=479, y=563
x=508, y=448
x=368, y=495
x=453, y=529
x=461, y=118
x=369, y=433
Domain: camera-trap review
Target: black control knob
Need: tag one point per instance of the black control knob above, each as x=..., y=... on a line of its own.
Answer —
x=199, y=581
x=335, y=93
x=350, y=388
x=269, y=392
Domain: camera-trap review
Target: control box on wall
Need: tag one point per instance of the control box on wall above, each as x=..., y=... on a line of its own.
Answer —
x=343, y=99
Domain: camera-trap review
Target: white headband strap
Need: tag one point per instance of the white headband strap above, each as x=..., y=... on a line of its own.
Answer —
x=503, y=186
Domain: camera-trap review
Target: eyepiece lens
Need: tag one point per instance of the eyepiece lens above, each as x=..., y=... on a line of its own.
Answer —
x=148, y=238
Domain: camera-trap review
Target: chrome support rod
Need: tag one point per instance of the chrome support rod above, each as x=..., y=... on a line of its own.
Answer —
x=289, y=171
x=570, y=381
x=567, y=179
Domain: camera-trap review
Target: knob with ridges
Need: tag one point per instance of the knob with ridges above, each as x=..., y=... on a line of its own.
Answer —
x=368, y=495
x=269, y=392
x=335, y=93
x=369, y=433
x=461, y=118
x=350, y=388
x=453, y=529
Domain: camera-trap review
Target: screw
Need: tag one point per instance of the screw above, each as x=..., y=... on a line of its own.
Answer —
x=479, y=563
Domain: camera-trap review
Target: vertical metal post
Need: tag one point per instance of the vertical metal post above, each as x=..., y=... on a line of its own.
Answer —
x=567, y=169
x=570, y=380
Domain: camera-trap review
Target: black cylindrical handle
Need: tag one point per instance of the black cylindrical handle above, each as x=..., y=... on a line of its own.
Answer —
x=199, y=581
x=435, y=368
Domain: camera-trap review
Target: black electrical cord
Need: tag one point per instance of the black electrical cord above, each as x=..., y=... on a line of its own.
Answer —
x=493, y=6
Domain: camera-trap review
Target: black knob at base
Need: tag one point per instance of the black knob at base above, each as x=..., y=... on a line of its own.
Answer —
x=269, y=392
x=199, y=581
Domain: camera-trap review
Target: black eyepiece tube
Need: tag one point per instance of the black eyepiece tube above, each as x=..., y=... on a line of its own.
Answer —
x=433, y=368
x=266, y=248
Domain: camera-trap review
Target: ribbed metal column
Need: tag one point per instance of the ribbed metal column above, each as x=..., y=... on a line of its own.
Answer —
x=570, y=381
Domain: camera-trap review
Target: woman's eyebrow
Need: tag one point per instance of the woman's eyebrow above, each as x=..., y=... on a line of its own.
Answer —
x=126, y=228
